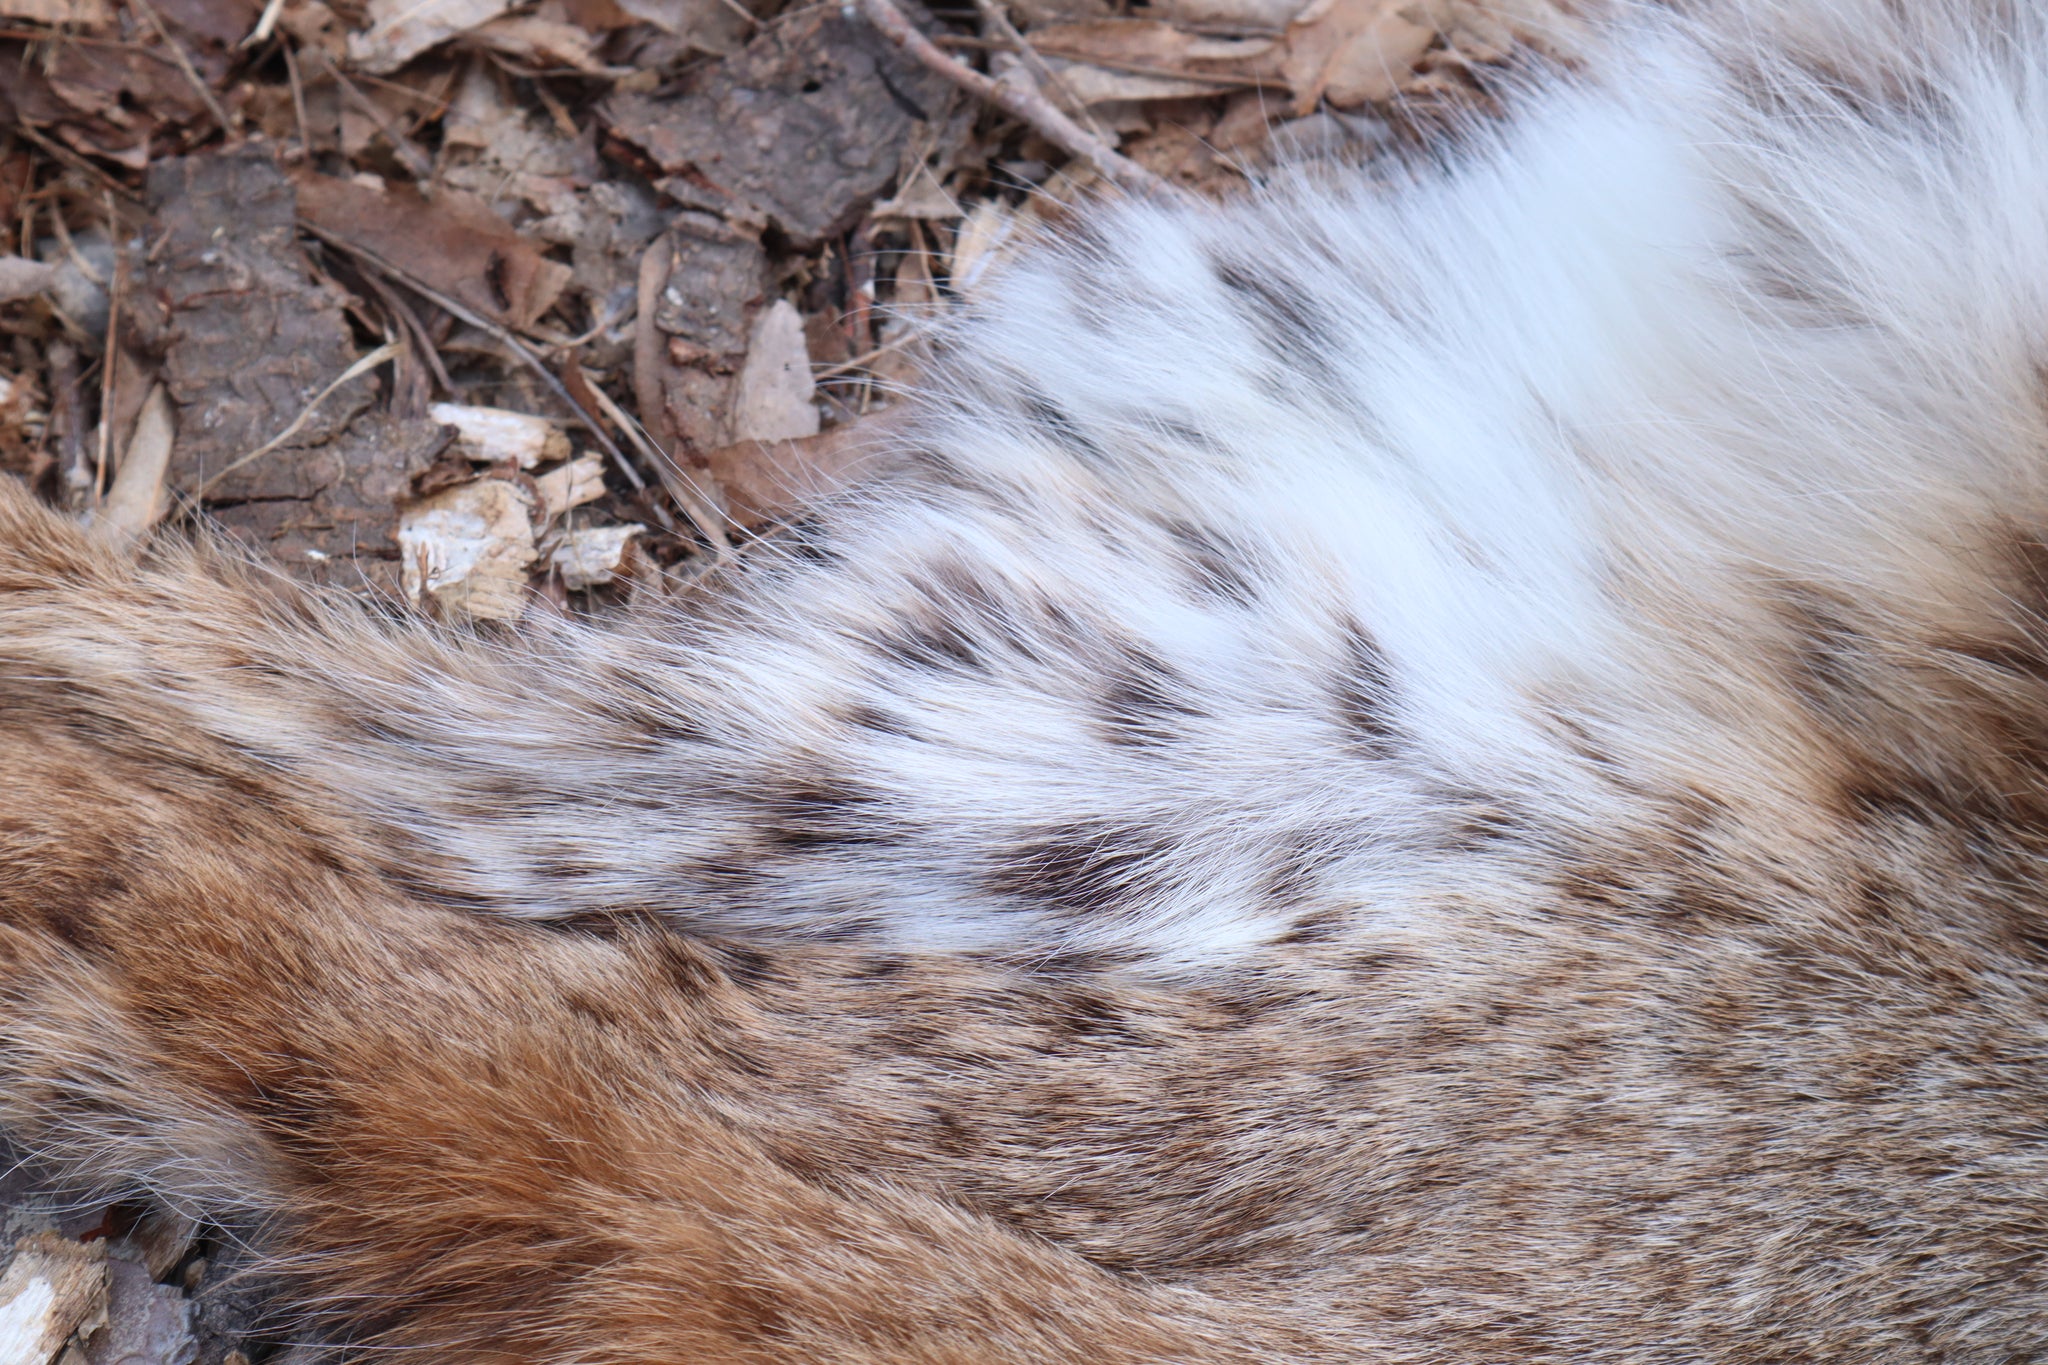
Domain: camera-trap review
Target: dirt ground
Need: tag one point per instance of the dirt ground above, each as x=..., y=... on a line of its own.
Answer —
x=488, y=308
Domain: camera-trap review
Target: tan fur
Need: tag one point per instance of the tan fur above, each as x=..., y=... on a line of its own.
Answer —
x=1068, y=903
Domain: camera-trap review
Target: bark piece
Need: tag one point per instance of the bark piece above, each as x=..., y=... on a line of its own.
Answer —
x=706, y=280
x=250, y=337
x=801, y=128
x=147, y=1323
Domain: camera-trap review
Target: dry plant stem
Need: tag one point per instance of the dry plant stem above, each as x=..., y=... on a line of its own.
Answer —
x=869, y=357
x=177, y=51
x=423, y=344
x=264, y=25
x=109, y=367
x=363, y=365
x=417, y=163
x=680, y=486
x=291, y=72
x=998, y=19
x=1016, y=96
x=502, y=335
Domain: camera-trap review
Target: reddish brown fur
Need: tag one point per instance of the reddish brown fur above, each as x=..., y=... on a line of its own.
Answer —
x=1647, y=1114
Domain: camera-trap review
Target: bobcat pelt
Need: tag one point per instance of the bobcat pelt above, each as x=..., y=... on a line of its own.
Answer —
x=1448, y=766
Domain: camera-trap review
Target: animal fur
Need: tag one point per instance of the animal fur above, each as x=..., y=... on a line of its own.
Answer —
x=1445, y=767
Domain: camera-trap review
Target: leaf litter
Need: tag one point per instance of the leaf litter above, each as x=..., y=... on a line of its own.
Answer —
x=490, y=309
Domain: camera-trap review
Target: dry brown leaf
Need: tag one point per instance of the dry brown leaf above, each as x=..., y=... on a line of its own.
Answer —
x=401, y=30
x=452, y=244
x=544, y=42
x=769, y=481
x=469, y=547
x=1351, y=52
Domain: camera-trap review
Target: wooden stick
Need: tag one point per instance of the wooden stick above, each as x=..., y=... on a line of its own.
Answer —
x=1015, y=95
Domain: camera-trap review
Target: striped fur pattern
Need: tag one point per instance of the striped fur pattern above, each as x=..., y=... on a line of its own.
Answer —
x=1442, y=766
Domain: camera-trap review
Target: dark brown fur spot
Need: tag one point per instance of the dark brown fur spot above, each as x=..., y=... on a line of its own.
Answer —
x=1083, y=868
x=1144, y=701
x=1219, y=568
x=1365, y=691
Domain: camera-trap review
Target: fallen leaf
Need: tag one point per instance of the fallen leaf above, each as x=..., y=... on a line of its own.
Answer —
x=776, y=399
x=494, y=435
x=469, y=547
x=803, y=127
x=401, y=30
x=543, y=42
x=1351, y=52
x=770, y=481
x=451, y=244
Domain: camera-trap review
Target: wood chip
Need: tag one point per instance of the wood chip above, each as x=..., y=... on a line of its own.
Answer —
x=469, y=548
x=52, y=1288
x=495, y=435
x=136, y=500
x=592, y=555
x=574, y=484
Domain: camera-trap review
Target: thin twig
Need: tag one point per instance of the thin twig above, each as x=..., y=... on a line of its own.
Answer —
x=417, y=163
x=267, y=22
x=1016, y=96
x=111, y=354
x=291, y=73
x=178, y=55
x=364, y=364
x=994, y=16
x=681, y=487
x=410, y=321
x=502, y=335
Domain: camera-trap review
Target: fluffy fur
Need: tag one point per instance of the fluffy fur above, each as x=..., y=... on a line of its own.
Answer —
x=1443, y=767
